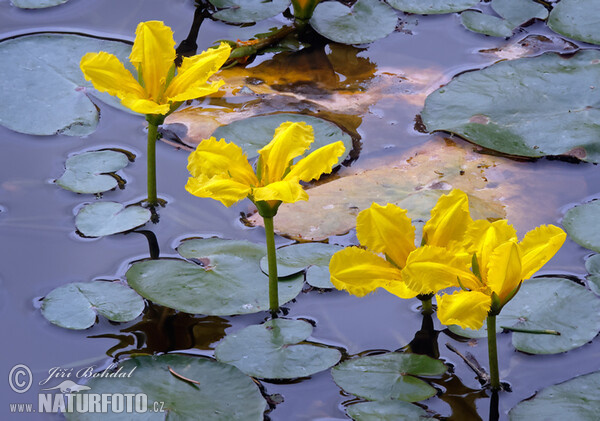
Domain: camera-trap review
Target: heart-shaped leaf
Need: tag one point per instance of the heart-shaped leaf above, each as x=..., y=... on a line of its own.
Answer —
x=36, y=4
x=49, y=94
x=272, y=350
x=177, y=388
x=107, y=218
x=432, y=7
x=552, y=304
x=581, y=223
x=518, y=12
x=486, y=24
x=314, y=257
x=90, y=172
x=248, y=11
x=225, y=279
x=592, y=265
x=545, y=105
x=252, y=134
x=75, y=305
x=388, y=376
x=364, y=22
x=575, y=399
x=386, y=411
x=577, y=19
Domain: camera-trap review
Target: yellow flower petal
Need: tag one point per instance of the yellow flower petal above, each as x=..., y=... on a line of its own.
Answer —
x=108, y=74
x=290, y=140
x=483, y=237
x=190, y=81
x=217, y=157
x=465, y=309
x=430, y=269
x=400, y=289
x=154, y=53
x=449, y=220
x=145, y=106
x=286, y=191
x=360, y=272
x=321, y=161
x=539, y=246
x=226, y=191
x=504, y=273
x=386, y=229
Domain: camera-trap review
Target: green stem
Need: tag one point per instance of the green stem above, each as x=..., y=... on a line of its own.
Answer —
x=532, y=331
x=272, y=259
x=151, y=151
x=493, y=353
x=426, y=306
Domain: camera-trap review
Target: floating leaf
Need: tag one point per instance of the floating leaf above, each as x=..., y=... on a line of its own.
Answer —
x=581, y=223
x=248, y=11
x=74, y=306
x=364, y=22
x=224, y=280
x=518, y=12
x=575, y=399
x=432, y=7
x=388, y=376
x=222, y=392
x=36, y=4
x=554, y=304
x=486, y=24
x=592, y=265
x=251, y=134
x=311, y=256
x=386, y=411
x=49, y=94
x=272, y=350
x=90, y=172
x=107, y=218
x=577, y=19
x=414, y=183
x=538, y=106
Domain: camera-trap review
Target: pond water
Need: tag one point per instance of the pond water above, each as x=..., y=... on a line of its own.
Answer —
x=39, y=249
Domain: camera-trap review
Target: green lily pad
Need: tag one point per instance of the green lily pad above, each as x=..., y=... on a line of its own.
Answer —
x=592, y=265
x=577, y=19
x=486, y=24
x=554, y=304
x=388, y=376
x=518, y=12
x=538, y=106
x=252, y=134
x=272, y=351
x=386, y=411
x=51, y=95
x=90, y=172
x=225, y=279
x=314, y=257
x=75, y=305
x=575, y=399
x=581, y=223
x=179, y=387
x=364, y=22
x=36, y=4
x=107, y=218
x=248, y=11
x=432, y=7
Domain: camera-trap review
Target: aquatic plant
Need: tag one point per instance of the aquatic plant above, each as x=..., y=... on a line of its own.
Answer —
x=160, y=86
x=221, y=171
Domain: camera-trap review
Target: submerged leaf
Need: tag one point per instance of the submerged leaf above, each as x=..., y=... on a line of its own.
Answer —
x=75, y=305
x=222, y=393
x=272, y=350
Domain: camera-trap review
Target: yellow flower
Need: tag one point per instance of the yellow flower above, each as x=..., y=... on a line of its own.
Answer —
x=303, y=9
x=499, y=265
x=221, y=171
x=159, y=85
x=389, y=238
